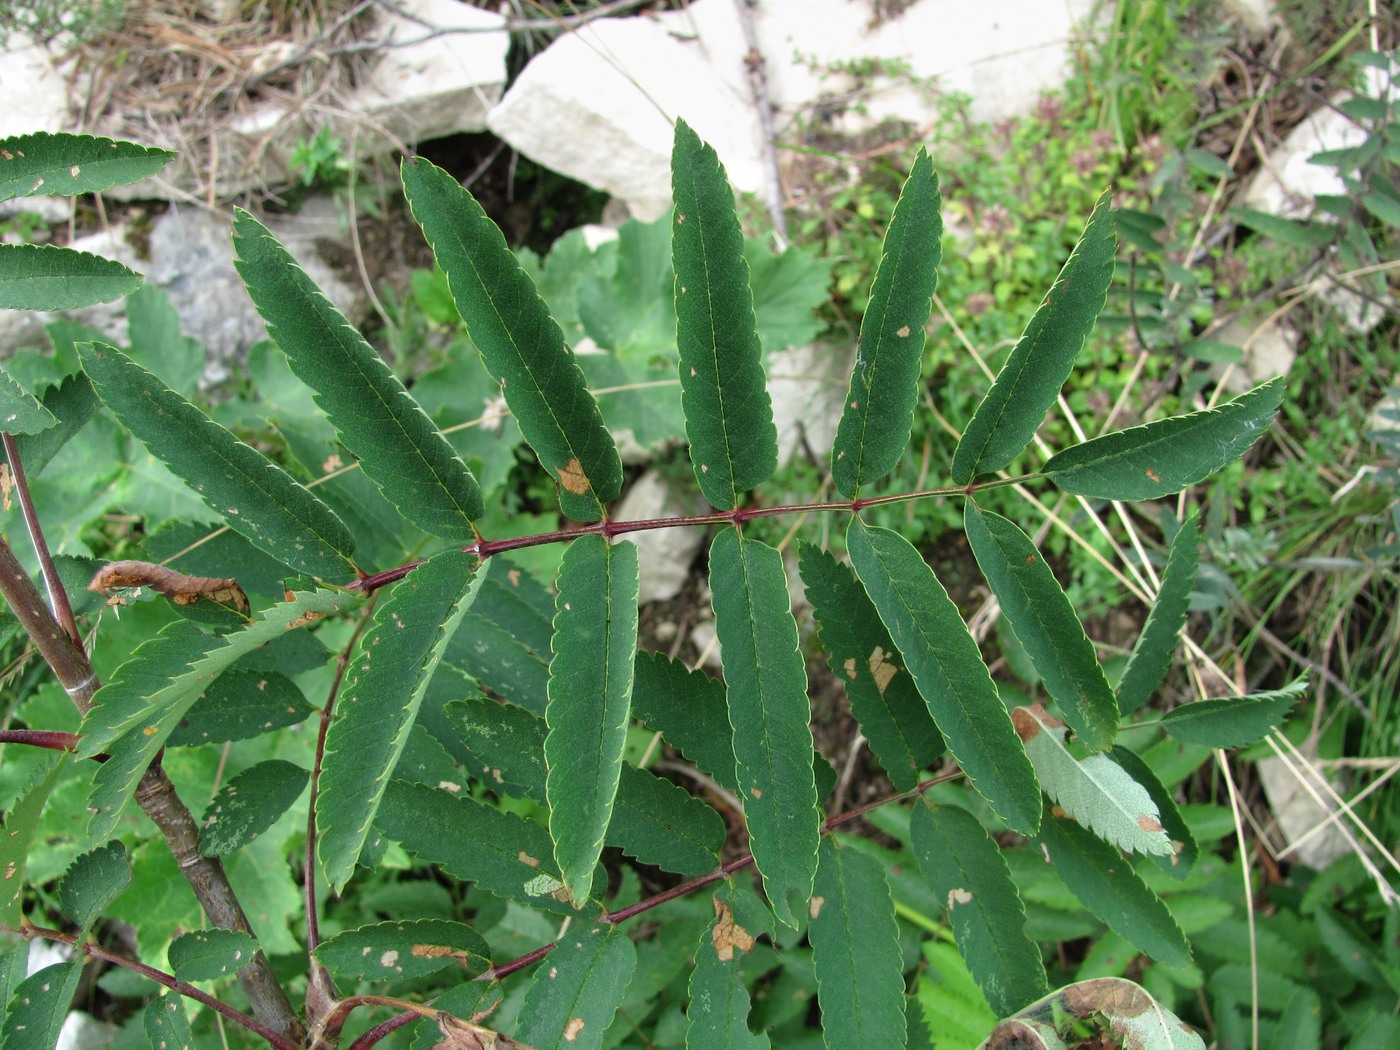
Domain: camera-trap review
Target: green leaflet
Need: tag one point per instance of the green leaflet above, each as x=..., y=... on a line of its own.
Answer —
x=21, y=824
x=250, y=804
x=590, y=698
x=165, y=1022
x=207, y=955
x=1152, y=655
x=575, y=994
x=384, y=684
x=502, y=853
x=1182, y=859
x=1235, y=721
x=1163, y=457
x=948, y=670
x=136, y=711
x=1027, y=385
x=879, y=410
x=38, y=1007
x=855, y=949
x=687, y=708
x=1094, y=790
x=45, y=277
x=19, y=412
x=402, y=949
x=72, y=403
x=718, y=1012
x=240, y=704
x=769, y=713
x=93, y=881
x=69, y=165
x=397, y=445
x=1046, y=624
x=257, y=498
x=1107, y=885
x=520, y=342
x=966, y=870
x=884, y=699
x=728, y=413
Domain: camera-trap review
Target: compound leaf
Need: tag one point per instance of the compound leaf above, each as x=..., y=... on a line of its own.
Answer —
x=397, y=950
x=20, y=826
x=1152, y=655
x=1107, y=885
x=69, y=165
x=250, y=804
x=966, y=870
x=93, y=881
x=948, y=671
x=855, y=950
x=728, y=413
x=19, y=412
x=590, y=698
x=1235, y=721
x=1027, y=385
x=574, y=995
x=384, y=684
x=257, y=498
x=46, y=277
x=1163, y=457
x=207, y=955
x=1094, y=790
x=38, y=1007
x=879, y=410
x=769, y=713
x=522, y=345
x=1046, y=624
x=718, y=1012
x=861, y=654
x=397, y=445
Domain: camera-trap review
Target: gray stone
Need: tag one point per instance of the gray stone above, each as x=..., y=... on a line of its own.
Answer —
x=1269, y=351
x=666, y=554
x=808, y=385
x=35, y=93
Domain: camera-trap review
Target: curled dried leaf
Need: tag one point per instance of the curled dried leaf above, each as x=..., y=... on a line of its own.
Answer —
x=179, y=588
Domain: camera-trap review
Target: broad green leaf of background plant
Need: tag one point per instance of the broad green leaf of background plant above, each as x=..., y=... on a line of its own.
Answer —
x=1106, y=884
x=384, y=683
x=590, y=697
x=574, y=995
x=21, y=823
x=68, y=165
x=403, y=949
x=947, y=667
x=718, y=1012
x=39, y=1006
x=1093, y=790
x=502, y=853
x=769, y=713
x=1163, y=457
x=92, y=882
x=157, y=343
x=1152, y=654
x=855, y=949
x=967, y=872
x=1027, y=385
x=1129, y=1012
x=688, y=708
x=520, y=342
x=1179, y=863
x=207, y=955
x=879, y=410
x=46, y=277
x=165, y=1022
x=257, y=498
x=861, y=654
x=1236, y=721
x=728, y=414
x=250, y=804
x=72, y=403
x=397, y=445
x=19, y=412
x=1045, y=622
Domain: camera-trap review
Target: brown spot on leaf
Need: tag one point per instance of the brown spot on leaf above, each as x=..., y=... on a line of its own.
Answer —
x=755, y=792
x=957, y=895
x=850, y=667
x=726, y=934
x=1030, y=559
x=1149, y=824
x=902, y=331
x=814, y=906
x=572, y=1029
x=1154, y=476
x=572, y=477
x=680, y=218
x=332, y=463
x=525, y=858
x=882, y=668
x=514, y=577
x=74, y=171
x=1106, y=995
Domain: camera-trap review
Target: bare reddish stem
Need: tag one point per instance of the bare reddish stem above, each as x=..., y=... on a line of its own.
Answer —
x=51, y=739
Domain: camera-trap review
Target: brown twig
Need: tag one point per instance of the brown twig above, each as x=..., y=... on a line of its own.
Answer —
x=58, y=597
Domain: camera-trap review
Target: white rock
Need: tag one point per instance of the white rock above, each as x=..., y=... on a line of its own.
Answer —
x=35, y=94
x=84, y=1032
x=706, y=643
x=665, y=554
x=1269, y=350
x=808, y=385
x=1298, y=814
x=1257, y=16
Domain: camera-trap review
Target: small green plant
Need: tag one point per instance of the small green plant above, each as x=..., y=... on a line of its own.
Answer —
x=321, y=159
x=467, y=766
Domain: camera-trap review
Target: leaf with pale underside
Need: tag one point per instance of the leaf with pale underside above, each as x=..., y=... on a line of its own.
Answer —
x=728, y=413
x=1180, y=862
x=1163, y=457
x=257, y=498
x=402, y=949
x=165, y=1022
x=397, y=445
x=19, y=412
x=769, y=713
x=250, y=804
x=967, y=872
x=1046, y=624
x=1153, y=651
x=385, y=679
x=207, y=955
x=577, y=990
x=93, y=881
x=948, y=671
x=1040, y=362
x=1236, y=721
x=69, y=165
x=879, y=409
x=1094, y=789
x=521, y=344
x=36, y=1011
